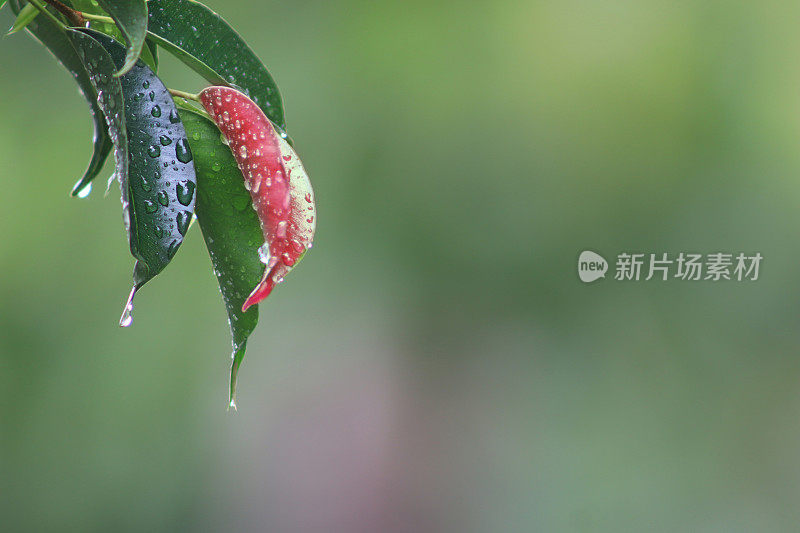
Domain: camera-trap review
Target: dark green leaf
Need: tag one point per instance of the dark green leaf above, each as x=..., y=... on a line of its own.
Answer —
x=206, y=43
x=131, y=19
x=230, y=228
x=100, y=68
x=161, y=177
x=53, y=37
x=24, y=17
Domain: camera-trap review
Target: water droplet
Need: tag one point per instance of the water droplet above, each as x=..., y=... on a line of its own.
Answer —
x=165, y=141
x=156, y=111
x=159, y=231
x=182, y=151
x=138, y=96
x=263, y=253
x=182, y=221
x=243, y=151
x=150, y=206
x=154, y=150
x=163, y=199
x=280, y=232
x=173, y=117
x=83, y=193
x=152, y=95
x=196, y=136
x=127, y=314
x=146, y=84
x=185, y=192
x=216, y=166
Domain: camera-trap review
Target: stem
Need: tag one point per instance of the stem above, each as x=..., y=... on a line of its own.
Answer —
x=74, y=17
x=181, y=94
x=98, y=18
x=38, y=5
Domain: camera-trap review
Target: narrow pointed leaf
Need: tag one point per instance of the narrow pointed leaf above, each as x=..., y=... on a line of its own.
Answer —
x=53, y=37
x=131, y=19
x=161, y=178
x=230, y=228
x=100, y=68
x=24, y=17
x=206, y=43
x=151, y=49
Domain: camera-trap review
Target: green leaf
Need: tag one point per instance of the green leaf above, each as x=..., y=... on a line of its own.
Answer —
x=53, y=37
x=151, y=48
x=24, y=17
x=2, y=4
x=206, y=43
x=100, y=67
x=131, y=19
x=230, y=228
x=148, y=54
x=161, y=178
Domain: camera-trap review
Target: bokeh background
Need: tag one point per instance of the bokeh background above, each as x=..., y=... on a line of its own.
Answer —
x=435, y=364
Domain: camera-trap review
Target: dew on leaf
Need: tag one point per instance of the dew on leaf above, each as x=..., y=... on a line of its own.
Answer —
x=182, y=151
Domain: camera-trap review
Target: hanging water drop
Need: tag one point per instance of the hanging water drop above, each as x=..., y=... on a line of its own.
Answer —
x=83, y=193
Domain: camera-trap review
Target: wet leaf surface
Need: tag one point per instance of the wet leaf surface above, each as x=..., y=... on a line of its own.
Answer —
x=100, y=68
x=161, y=177
x=206, y=43
x=230, y=227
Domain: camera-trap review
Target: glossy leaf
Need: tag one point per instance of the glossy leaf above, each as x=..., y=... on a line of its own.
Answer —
x=206, y=43
x=281, y=193
x=101, y=67
x=161, y=178
x=131, y=19
x=24, y=17
x=54, y=38
x=230, y=228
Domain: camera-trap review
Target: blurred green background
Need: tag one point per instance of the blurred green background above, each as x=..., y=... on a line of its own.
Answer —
x=435, y=364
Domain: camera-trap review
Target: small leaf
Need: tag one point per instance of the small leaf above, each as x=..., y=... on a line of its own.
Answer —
x=206, y=43
x=24, y=17
x=161, y=178
x=230, y=228
x=53, y=37
x=131, y=19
